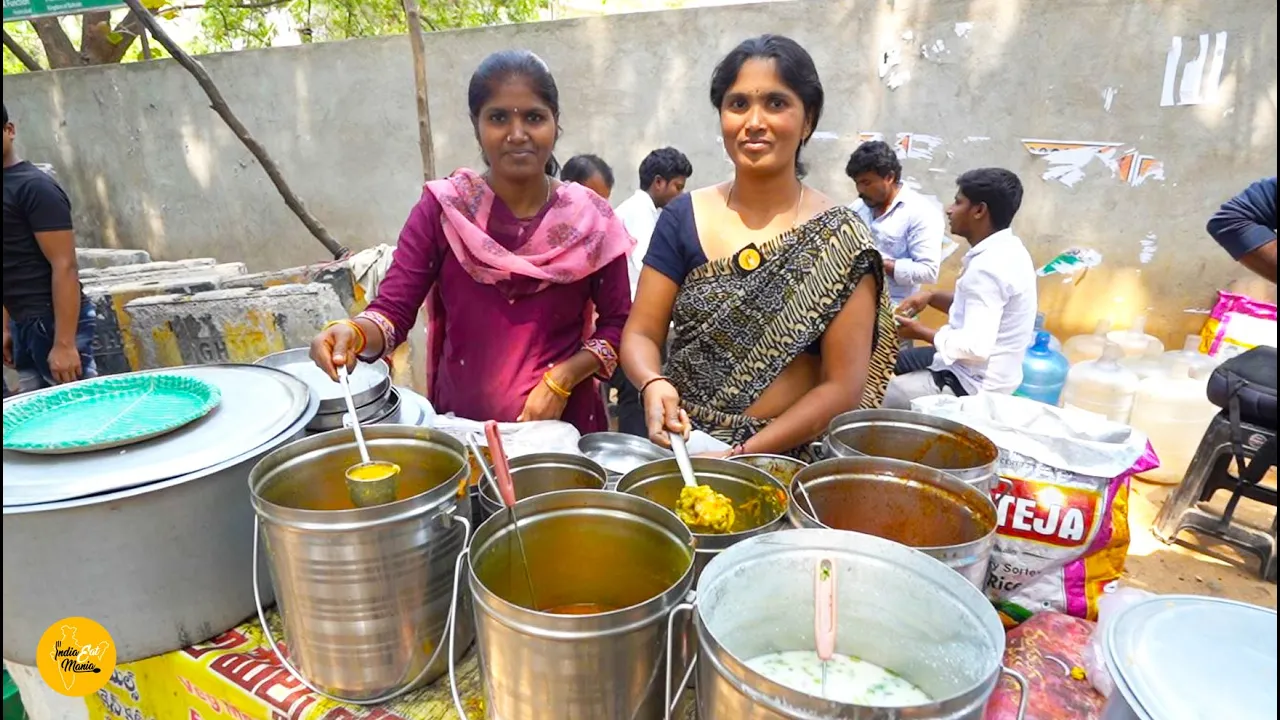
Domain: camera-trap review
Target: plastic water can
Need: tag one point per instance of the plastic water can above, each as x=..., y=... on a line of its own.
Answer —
x=1102, y=386
x=1149, y=364
x=1174, y=412
x=1044, y=371
x=1135, y=341
x=1054, y=343
x=1082, y=348
x=1202, y=366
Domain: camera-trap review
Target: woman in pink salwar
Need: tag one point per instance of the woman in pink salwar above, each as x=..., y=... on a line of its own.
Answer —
x=525, y=278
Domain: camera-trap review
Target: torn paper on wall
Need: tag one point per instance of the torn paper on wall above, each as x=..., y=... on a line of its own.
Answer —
x=916, y=146
x=1135, y=168
x=866, y=137
x=824, y=135
x=1068, y=158
x=977, y=138
x=1149, y=247
x=1108, y=97
x=934, y=51
x=1201, y=75
x=889, y=59
x=963, y=28
x=1072, y=263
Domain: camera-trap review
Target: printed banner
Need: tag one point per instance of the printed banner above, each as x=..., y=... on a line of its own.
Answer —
x=237, y=676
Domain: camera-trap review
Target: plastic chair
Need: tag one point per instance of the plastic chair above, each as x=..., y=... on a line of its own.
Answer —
x=1244, y=431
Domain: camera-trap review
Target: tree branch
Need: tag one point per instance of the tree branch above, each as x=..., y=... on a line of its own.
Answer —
x=425, y=144
x=21, y=53
x=96, y=47
x=146, y=44
x=219, y=105
x=242, y=6
x=57, y=46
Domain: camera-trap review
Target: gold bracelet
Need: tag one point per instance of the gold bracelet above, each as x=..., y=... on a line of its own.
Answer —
x=358, y=330
x=555, y=387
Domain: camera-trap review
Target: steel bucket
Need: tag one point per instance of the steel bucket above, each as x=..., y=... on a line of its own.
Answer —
x=904, y=502
x=543, y=473
x=899, y=609
x=915, y=437
x=365, y=593
x=583, y=546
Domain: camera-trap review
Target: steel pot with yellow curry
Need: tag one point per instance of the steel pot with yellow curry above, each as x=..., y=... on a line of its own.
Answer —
x=759, y=500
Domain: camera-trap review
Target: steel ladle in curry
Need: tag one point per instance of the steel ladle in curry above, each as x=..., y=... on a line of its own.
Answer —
x=371, y=482
x=699, y=506
x=507, y=491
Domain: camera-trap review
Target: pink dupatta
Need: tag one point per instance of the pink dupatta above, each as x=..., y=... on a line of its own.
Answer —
x=577, y=236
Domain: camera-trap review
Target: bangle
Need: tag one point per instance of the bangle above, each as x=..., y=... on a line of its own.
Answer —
x=739, y=449
x=358, y=330
x=555, y=387
x=653, y=380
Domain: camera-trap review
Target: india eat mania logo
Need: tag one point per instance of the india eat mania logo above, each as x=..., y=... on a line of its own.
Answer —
x=76, y=656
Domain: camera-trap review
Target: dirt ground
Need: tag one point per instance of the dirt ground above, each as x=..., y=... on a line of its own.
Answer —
x=1196, y=564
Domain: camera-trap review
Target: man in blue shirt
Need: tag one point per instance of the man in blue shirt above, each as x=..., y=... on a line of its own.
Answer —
x=908, y=228
x=1245, y=226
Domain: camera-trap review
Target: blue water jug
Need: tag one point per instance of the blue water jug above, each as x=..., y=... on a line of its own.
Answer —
x=1054, y=343
x=1044, y=371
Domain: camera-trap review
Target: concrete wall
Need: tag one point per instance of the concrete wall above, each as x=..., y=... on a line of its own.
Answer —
x=150, y=166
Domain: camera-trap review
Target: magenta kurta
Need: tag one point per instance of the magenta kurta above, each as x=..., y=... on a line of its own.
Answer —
x=488, y=347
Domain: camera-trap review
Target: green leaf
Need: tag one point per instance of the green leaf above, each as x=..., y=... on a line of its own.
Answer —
x=114, y=38
x=154, y=4
x=170, y=14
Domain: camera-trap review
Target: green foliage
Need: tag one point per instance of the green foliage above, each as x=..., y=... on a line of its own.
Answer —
x=228, y=25
x=25, y=35
x=239, y=24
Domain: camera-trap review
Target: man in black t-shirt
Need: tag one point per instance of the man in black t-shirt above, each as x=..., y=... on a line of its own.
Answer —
x=48, y=324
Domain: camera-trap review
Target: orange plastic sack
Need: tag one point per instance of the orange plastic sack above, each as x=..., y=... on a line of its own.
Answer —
x=1048, y=650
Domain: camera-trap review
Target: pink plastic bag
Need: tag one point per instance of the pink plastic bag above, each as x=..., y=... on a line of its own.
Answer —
x=1238, y=323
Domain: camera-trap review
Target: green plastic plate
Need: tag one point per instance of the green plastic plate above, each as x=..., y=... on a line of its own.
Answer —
x=106, y=412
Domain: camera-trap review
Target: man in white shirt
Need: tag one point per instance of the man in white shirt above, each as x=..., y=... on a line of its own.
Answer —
x=907, y=226
x=663, y=174
x=992, y=313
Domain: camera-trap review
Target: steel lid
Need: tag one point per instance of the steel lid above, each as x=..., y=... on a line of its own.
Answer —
x=369, y=381
x=258, y=403
x=1186, y=657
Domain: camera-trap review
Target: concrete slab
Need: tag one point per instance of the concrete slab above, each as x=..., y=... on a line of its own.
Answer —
x=164, y=265
x=224, y=270
x=336, y=275
x=110, y=257
x=229, y=325
x=114, y=348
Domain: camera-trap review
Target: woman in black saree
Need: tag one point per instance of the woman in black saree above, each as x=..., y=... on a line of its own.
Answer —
x=776, y=293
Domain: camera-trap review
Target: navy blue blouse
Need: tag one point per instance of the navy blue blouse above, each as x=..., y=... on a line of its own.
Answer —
x=675, y=249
